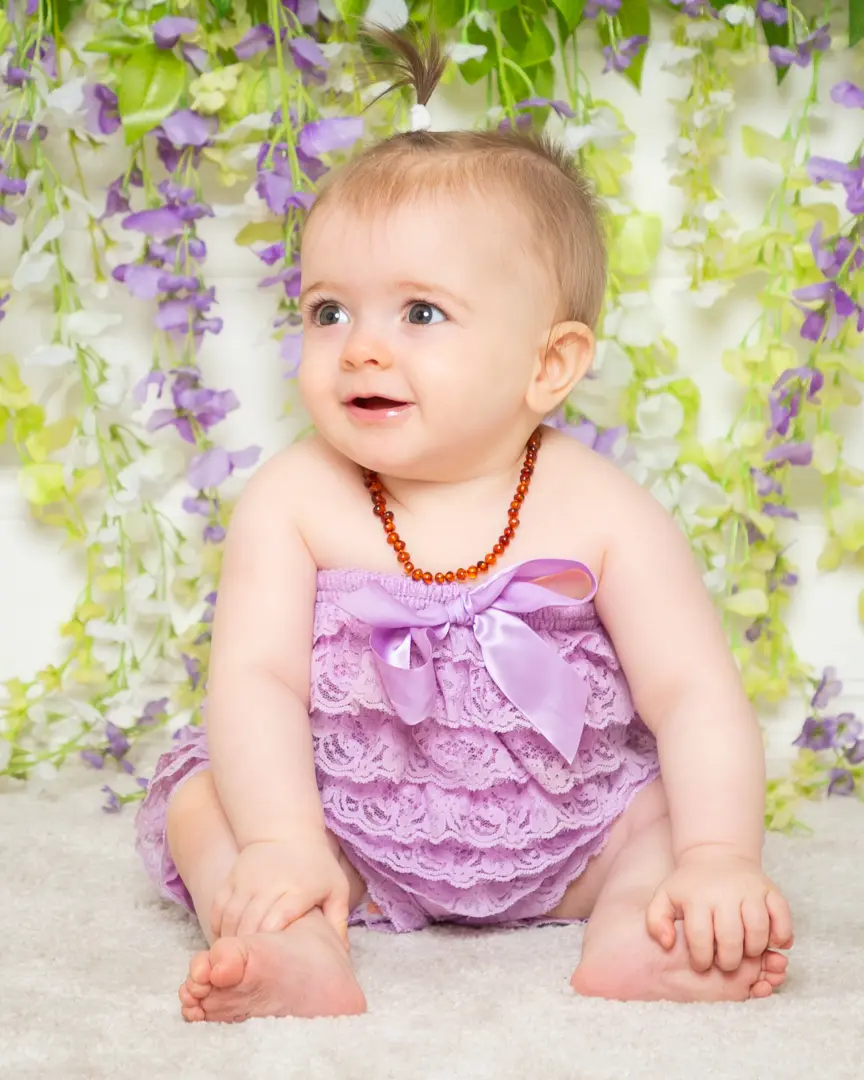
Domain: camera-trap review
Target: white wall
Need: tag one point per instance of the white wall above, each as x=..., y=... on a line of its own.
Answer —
x=38, y=582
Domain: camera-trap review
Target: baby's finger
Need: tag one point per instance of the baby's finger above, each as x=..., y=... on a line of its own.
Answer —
x=253, y=915
x=335, y=909
x=729, y=937
x=284, y=910
x=781, y=936
x=756, y=927
x=660, y=919
x=233, y=913
x=217, y=908
x=699, y=932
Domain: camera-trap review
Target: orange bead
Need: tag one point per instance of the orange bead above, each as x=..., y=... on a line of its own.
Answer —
x=398, y=545
x=427, y=578
x=439, y=579
x=417, y=575
x=461, y=574
x=389, y=527
x=507, y=535
x=472, y=572
x=403, y=556
x=513, y=522
x=388, y=516
x=377, y=510
x=518, y=497
x=393, y=538
x=408, y=567
x=522, y=489
x=491, y=559
x=515, y=507
x=482, y=566
x=498, y=549
x=449, y=577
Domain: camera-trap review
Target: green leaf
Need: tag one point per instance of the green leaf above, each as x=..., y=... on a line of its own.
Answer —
x=780, y=35
x=543, y=78
x=514, y=30
x=856, y=21
x=258, y=10
x=149, y=89
x=635, y=19
x=570, y=12
x=540, y=46
x=65, y=11
x=223, y=8
x=759, y=144
x=445, y=14
x=750, y=602
x=638, y=243
x=499, y=5
x=350, y=10
x=475, y=70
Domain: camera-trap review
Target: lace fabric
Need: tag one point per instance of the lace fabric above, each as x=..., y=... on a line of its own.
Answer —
x=469, y=815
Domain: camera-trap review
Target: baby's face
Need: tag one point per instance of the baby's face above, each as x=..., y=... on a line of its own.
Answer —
x=421, y=329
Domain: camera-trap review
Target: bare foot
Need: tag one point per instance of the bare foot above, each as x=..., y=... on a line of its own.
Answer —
x=633, y=967
x=301, y=971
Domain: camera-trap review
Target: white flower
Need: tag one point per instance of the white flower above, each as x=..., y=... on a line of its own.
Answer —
x=391, y=14
x=637, y=322
x=660, y=416
x=462, y=51
x=701, y=31
x=33, y=269
x=603, y=130
x=50, y=356
x=708, y=293
x=102, y=630
x=89, y=324
x=736, y=14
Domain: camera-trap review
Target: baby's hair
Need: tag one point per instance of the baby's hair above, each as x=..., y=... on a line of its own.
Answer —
x=563, y=214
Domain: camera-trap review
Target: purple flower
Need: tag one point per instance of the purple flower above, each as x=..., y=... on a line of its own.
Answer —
x=117, y=742
x=777, y=510
x=831, y=260
x=307, y=54
x=214, y=534
x=848, y=95
x=278, y=192
x=855, y=753
x=185, y=127
x=693, y=9
x=112, y=806
x=765, y=485
x=214, y=466
x=290, y=349
x=594, y=7
x=154, y=711
x=772, y=13
x=101, y=113
x=154, y=378
x=851, y=176
x=305, y=10
x=627, y=50
x=4, y=300
x=829, y=687
x=168, y=30
x=15, y=77
x=47, y=55
x=257, y=40
x=160, y=223
x=193, y=402
x=194, y=55
x=798, y=453
x=602, y=442
x=818, y=733
x=842, y=782
x=272, y=254
x=834, y=300
x=289, y=276
x=93, y=758
x=560, y=107
x=818, y=41
x=324, y=136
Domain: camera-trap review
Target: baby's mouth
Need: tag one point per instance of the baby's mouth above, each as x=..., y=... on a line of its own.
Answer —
x=377, y=404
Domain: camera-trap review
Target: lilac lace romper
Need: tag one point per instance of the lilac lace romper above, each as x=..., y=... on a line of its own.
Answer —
x=473, y=746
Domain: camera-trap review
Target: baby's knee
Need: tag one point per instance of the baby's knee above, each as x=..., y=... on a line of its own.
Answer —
x=192, y=797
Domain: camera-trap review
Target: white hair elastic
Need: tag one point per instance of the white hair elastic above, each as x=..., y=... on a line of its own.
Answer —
x=420, y=118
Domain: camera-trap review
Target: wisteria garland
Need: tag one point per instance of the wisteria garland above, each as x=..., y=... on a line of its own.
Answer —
x=202, y=94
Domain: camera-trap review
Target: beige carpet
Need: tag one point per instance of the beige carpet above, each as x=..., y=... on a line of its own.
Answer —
x=90, y=962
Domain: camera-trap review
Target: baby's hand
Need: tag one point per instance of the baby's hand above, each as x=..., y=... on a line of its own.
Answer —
x=729, y=907
x=274, y=883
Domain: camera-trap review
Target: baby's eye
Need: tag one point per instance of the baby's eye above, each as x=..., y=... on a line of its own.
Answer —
x=422, y=314
x=328, y=314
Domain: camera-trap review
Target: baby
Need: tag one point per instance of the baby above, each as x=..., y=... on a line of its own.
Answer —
x=463, y=668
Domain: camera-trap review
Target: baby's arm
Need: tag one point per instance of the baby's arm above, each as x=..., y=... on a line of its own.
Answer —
x=257, y=710
x=687, y=689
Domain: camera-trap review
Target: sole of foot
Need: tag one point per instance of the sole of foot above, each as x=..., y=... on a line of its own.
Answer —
x=640, y=970
x=303, y=970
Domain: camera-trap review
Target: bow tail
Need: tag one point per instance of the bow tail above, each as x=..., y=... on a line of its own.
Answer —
x=533, y=677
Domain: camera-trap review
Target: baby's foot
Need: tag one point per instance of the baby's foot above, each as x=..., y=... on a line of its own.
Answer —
x=633, y=967
x=301, y=971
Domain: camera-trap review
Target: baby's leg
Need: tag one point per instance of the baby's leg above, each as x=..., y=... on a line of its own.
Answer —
x=619, y=958
x=303, y=970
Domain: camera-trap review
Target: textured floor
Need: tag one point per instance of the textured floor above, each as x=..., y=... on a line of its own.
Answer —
x=91, y=961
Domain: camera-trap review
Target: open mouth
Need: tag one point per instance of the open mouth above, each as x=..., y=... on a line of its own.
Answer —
x=377, y=404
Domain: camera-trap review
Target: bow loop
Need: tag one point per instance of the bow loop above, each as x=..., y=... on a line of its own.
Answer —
x=531, y=675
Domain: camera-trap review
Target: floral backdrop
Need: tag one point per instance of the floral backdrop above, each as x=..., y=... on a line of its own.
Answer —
x=262, y=98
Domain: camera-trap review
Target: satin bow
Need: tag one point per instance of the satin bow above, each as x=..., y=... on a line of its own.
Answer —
x=530, y=674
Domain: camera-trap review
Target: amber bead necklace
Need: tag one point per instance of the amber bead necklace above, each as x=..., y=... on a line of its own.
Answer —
x=379, y=508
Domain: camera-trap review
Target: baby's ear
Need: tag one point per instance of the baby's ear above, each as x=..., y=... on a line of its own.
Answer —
x=562, y=361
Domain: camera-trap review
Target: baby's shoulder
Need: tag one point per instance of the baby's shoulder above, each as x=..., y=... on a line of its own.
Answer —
x=582, y=476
